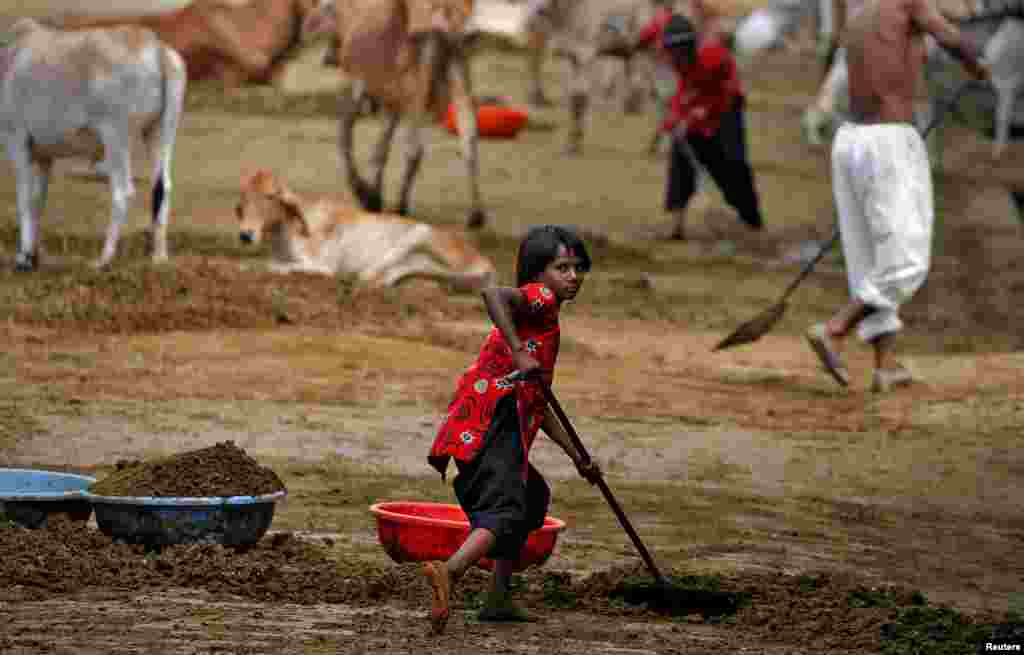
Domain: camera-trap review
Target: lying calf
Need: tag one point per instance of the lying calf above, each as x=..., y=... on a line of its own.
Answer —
x=325, y=236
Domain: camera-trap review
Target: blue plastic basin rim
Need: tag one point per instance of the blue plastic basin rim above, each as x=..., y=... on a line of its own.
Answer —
x=184, y=501
x=36, y=495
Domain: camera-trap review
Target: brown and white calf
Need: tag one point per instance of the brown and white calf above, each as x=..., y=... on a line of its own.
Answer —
x=88, y=94
x=331, y=237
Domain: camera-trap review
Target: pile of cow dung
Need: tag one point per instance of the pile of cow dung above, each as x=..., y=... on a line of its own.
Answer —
x=223, y=469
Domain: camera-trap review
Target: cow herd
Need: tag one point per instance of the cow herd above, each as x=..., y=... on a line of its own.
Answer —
x=87, y=86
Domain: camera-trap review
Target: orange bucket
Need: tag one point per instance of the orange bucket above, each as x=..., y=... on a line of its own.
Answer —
x=492, y=121
x=412, y=531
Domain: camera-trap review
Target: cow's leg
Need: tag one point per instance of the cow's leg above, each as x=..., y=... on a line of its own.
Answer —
x=379, y=160
x=536, y=52
x=635, y=92
x=122, y=188
x=465, y=108
x=413, y=158
x=29, y=188
x=1006, y=96
x=581, y=73
x=348, y=114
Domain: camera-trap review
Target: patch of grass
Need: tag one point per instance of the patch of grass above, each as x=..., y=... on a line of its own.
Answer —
x=932, y=630
x=808, y=583
x=706, y=467
x=18, y=420
x=557, y=591
x=878, y=597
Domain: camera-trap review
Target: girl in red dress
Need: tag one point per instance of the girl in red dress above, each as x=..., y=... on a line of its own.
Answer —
x=493, y=420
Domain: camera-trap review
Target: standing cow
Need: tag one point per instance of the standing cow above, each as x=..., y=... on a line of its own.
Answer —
x=411, y=56
x=88, y=94
x=580, y=32
x=220, y=39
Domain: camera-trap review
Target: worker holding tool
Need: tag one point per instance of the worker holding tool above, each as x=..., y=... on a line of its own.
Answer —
x=882, y=180
x=706, y=117
x=494, y=418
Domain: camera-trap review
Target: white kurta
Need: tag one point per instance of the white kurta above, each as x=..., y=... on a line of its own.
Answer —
x=883, y=190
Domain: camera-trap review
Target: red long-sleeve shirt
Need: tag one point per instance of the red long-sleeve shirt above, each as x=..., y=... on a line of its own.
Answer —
x=706, y=90
x=651, y=33
x=486, y=382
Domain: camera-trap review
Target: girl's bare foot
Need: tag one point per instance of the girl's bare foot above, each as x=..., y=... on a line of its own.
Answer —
x=441, y=588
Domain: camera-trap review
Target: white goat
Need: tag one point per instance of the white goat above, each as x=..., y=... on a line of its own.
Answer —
x=88, y=94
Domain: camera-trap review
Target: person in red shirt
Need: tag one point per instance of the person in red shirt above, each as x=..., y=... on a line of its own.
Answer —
x=706, y=118
x=493, y=420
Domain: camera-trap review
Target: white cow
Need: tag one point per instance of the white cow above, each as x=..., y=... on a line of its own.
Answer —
x=88, y=94
x=578, y=31
x=531, y=24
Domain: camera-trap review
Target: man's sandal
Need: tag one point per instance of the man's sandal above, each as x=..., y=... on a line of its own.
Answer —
x=818, y=339
x=887, y=379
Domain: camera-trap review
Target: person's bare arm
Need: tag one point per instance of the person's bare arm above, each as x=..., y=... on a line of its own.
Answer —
x=502, y=303
x=927, y=17
x=552, y=427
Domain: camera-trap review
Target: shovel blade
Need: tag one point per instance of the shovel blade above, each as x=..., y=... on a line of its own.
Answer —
x=753, y=329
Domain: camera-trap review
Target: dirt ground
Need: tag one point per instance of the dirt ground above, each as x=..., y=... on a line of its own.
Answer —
x=836, y=517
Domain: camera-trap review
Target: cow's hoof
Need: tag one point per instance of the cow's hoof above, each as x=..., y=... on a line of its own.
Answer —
x=572, y=150
x=539, y=100
x=634, y=105
x=372, y=201
x=26, y=263
x=477, y=219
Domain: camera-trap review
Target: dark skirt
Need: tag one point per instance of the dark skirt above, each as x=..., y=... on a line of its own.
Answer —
x=491, y=489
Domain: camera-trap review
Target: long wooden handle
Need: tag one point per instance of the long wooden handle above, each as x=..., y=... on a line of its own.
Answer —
x=601, y=484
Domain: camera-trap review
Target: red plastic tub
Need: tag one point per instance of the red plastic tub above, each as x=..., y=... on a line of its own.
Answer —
x=492, y=121
x=412, y=531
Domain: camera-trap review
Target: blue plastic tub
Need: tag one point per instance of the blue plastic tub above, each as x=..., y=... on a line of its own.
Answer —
x=29, y=496
x=237, y=521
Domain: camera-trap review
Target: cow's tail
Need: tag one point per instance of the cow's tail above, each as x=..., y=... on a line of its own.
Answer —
x=174, y=76
x=174, y=82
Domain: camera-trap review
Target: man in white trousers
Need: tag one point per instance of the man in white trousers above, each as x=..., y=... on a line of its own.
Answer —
x=882, y=180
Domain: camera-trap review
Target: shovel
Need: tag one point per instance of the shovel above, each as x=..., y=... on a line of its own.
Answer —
x=761, y=324
x=662, y=596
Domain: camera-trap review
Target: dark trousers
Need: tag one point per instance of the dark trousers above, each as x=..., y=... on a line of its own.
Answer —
x=724, y=155
x=491, y=489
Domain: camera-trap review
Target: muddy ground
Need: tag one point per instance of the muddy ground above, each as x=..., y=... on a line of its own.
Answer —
x=841, y=520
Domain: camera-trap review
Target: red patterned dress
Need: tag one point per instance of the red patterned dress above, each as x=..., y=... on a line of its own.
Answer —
x=485, y=383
